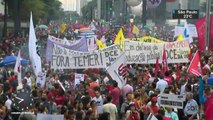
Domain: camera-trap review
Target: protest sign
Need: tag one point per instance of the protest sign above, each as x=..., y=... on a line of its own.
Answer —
x=146, y=53
x=172, y=101
x=142, y=52
x=77, y=45
x=91, y=42
x=118, y=70
x=111, y=53
x=63, y=58
x=49, y=117
x=147, y=39
x=41, y=78
x=180, y=30
x=78, y=78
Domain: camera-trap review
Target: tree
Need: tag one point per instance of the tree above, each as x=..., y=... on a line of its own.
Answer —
x=88, y=10
x=53, y=10
x=45, y=9
x=25, y=7
x=203, y=6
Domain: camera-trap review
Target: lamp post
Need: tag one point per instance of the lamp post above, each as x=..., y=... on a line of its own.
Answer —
x=208, y=20
x=144, y=12
x=5, y=19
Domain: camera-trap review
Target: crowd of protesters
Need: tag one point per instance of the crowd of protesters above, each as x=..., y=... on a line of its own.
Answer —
x=98, y=97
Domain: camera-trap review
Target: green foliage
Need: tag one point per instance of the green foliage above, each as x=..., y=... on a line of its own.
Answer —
x=44, y=9
x=203, y=6
x=88, y=10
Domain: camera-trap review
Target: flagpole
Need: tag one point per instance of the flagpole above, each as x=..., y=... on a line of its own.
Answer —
x=208, y=19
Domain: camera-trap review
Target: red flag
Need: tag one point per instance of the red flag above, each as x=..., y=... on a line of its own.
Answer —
x=164, y=63
x=156, y=67
x=200, y=25
x=195, y=67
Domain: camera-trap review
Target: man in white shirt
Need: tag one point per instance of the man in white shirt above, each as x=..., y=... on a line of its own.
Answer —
x=29, y=79
x=99, y=102
x=110, y=108
x=8, y=103
x=161, y=85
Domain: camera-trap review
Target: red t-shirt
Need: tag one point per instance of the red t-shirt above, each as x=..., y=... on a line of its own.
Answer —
x=59, y=99
x=50, y=95
x=115, y=95
x=91, y=87
x=154, y=109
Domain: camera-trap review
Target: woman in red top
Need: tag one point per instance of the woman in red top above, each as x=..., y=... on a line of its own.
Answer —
x=60, y=98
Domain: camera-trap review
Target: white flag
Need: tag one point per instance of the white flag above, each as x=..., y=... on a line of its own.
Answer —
x=34, y=52
x=118, y=70
x=17, y=69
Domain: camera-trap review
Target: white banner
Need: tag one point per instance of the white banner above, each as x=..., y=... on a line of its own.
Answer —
x=180, y=30
x=49, y=117
x=172, y=101
x=78, y=78
x=63, y=58
x=118, y=70
x=146, y=53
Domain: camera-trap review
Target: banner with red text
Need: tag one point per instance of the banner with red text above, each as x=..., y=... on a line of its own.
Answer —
x=146, y=53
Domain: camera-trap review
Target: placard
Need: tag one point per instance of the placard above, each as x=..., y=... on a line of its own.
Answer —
x=63, y=58
x=146, y=53
x=78, y=78
x=172, y=100
x=49, y=117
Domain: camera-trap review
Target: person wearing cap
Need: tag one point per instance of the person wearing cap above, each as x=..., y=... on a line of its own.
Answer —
x=153, y=107
x=132, y=113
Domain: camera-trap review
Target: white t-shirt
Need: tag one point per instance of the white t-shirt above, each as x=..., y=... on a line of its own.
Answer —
x=191, y=107
x=99, y=103
x=29, y=81
x=112, y=109
x=161, y=85
x=8, y=104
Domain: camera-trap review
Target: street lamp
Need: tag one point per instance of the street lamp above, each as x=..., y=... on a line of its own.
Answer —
x=5, y=19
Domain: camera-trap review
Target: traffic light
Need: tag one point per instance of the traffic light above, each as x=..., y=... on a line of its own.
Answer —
x=110, y=6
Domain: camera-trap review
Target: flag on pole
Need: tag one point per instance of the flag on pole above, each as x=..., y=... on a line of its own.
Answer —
x=200, y=25
x=119, y=38
x=195, y=66
x=62, y=28
x=34, y=52
x=156, y=66
x=17, y=68
x=100, y=44
x=118, y=70
x=164, y=63
x=135, y=30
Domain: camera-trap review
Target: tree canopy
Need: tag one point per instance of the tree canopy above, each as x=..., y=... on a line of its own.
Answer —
x=44, y=9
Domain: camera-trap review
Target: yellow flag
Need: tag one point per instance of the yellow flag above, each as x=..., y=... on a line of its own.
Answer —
x=100, y=44
x=180, y=37
x=135, y=30
x=62, y=28
x=119, y=38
